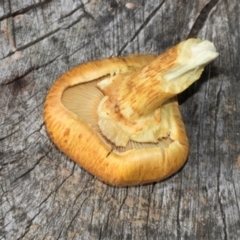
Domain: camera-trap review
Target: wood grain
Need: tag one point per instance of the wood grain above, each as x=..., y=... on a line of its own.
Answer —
x=44, y=195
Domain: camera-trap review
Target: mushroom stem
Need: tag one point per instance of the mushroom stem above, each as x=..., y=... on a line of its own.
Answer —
x=131, y=108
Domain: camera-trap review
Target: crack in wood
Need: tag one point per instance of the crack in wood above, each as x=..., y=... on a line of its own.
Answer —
x=178, y=211
x=84, y=15
x=73, y=218
x=86, y=12
x=19, y=77
x=73, y=11
x=9, y=135
x=143, y=25
x=58, y=187
x=28, y=71
x=78, y=196
x=108, y=223
x=150, y=196
x=28, y=225
x=225, y=235
x=32, y=43
x=23, y=10
x=201, y=19
x=123, y=201
x=28, y=171
x=101, y=202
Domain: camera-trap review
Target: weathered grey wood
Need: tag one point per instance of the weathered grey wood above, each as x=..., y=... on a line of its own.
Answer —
x=44, y=195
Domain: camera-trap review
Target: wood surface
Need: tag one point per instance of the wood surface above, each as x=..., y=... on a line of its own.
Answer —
x=44, y=195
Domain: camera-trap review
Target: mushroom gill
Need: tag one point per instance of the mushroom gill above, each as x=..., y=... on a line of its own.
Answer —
x=119, y=118
x=83, y=100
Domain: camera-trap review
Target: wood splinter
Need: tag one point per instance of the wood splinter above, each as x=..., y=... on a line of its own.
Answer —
x=119, y=117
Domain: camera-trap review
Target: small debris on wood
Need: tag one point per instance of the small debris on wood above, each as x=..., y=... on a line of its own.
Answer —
x=130, y=5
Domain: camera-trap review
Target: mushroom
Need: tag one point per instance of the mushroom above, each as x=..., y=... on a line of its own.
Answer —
x=119, y=118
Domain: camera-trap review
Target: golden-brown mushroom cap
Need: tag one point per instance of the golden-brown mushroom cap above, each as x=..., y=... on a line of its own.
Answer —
x=71, y=115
